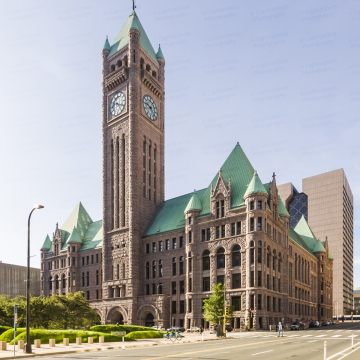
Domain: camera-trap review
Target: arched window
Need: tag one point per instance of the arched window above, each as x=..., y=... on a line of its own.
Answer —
x=274, y=259
x=252, y=244
x=112, y=68
x=279, y=262
x=87, y=279
x=50, y=283
x=160, y=268
x=174, y=266
x=154, y=74
x=148, y=67
x=83, y=279
x=119, y=64
x=147, y=270
x=154, y=269
x=220, y=257
x=259, y=250
x=63, y=281
x=56, y=282
x=190, y=262
x=236, y=256
x=181, y=265
x=206, y=260
x=97, y=277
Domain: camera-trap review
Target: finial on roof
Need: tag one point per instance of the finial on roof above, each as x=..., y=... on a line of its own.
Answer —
x=220, y=171
x=134, y=5
x=237, y=143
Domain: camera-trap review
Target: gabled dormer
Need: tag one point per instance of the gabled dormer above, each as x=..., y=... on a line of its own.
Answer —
x=220, y=197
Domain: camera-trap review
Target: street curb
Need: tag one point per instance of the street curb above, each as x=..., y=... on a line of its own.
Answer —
x=104, y=348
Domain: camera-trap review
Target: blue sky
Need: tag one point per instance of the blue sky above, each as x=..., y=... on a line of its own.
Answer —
x=280, y=77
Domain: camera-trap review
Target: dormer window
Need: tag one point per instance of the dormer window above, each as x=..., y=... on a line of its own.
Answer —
x=73, y=249
x=190, y=220
x=217, y=209
x=251, y=205
x=259, y=205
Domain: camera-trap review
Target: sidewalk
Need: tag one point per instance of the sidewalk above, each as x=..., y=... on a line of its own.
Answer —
x=85, y=347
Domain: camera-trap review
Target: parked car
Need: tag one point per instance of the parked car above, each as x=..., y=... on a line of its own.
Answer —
x=194, y=329
x=297, y=326
x=158, y=327
x=175, y=328
x=228, y=328
x=332, y=322
x=325, y=323
x=314, y=324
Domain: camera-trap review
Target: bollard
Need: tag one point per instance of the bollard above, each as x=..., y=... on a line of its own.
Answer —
x=20, y=344
x=52, y=342
x=202, y=336
x=101, y=339
x=37, y=343
x=66, y=341
x=78, y=341
x=3, y=345
x=90, y=340
x=324, y=350
x=123, y=344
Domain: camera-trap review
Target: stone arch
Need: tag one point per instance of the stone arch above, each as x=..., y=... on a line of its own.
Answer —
x=98, y=313
x=117, y=315
x=143, y=314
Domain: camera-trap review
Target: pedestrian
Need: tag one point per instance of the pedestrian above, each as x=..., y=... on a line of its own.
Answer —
x=280, y=330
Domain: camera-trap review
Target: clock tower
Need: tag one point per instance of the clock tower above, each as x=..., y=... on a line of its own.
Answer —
x=133, y=95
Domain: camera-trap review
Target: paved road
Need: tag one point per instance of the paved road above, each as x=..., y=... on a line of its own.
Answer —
x=306, y=344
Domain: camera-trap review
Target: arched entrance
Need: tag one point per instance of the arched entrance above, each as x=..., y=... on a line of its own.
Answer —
x=117, y=318
x=149, y=320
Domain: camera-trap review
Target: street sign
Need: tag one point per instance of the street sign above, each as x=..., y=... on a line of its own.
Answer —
x=119, y=333
x=15, y=318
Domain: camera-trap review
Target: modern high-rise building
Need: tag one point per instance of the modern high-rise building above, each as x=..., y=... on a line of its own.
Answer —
x=327, y=203
x=13, y=280
x=331, y=214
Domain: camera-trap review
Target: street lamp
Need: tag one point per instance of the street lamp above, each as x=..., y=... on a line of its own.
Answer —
x=27, y=347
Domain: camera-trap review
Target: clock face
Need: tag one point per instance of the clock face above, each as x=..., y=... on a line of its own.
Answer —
x=150, y=107
x=117, y=104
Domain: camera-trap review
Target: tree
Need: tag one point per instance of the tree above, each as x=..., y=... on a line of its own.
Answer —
x=214, y=308
x=5, y=318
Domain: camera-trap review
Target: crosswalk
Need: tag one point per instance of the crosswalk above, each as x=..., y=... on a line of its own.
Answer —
x=328, y=334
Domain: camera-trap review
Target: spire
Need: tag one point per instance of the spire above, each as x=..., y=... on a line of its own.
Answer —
x=255, y=186
x=47, y=244
x=194, y=203
x=106, y=45
x=74, y=237
x=159, y=54
x=134, y=23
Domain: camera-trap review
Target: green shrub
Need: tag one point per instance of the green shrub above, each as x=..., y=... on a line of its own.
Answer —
x=145, y=335
x=128, y=328
x=4, y=328
x=59, y=335
x=8, y=335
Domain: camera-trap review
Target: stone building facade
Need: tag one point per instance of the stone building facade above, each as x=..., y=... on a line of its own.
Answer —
x=154, y=261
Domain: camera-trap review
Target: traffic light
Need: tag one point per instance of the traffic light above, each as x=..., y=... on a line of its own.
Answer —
x=226, y=311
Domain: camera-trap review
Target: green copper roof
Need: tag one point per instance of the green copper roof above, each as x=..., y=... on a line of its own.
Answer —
x=194, y=203
x=47, y=244
x=170, y=215
x=159, y=54
x=299, y=240
x=93, y=237
x=303, y=229
x=255, y=186
x=319, y=247
x=239, y=169
x=122, y=39
x=282, y=208
x=330, y=256
x=74, y=237
x=80, y=219
x=106, y=45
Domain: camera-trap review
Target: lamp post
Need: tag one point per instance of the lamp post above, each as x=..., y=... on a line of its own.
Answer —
x=27, y=347
x=157, y=306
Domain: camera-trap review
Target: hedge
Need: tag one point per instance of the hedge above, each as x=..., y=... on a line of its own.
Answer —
x=145, y=335
x=59, y=335
x=4, y=328
x=128, y=328
x=8, y=335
